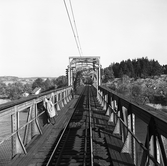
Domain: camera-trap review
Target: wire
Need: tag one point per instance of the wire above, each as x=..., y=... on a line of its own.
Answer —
x=75, y=26
x=72, y=28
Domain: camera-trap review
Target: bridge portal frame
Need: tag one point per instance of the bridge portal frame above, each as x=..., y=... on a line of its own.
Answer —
x=76, y=62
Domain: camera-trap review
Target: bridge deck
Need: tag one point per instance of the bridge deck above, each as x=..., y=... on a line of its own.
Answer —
x=40, y=149
x=113, y=142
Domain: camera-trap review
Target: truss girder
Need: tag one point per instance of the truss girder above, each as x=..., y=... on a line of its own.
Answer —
x=85, y=64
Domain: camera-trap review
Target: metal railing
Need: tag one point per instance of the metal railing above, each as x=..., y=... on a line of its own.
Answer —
x=22, y=120
x=123, y=114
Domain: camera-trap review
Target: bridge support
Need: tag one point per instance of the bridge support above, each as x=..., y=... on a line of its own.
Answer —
x=34, y=124
x=31, y=129
x=17, y=144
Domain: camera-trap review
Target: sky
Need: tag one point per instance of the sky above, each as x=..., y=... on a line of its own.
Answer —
x=36, y=39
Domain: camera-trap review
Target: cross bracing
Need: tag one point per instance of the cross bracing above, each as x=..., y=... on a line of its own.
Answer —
x=87, y=65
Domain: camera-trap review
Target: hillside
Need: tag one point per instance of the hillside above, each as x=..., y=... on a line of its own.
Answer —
x=12, y=79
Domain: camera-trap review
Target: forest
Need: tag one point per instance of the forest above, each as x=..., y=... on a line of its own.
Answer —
x=136, y=68
x=142, y=80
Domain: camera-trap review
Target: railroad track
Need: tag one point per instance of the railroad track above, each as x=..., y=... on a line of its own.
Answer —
x=81, y=143
x=74, y=146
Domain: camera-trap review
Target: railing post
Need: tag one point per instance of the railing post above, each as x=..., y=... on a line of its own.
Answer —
x=67, y=99
x=57, y=102
x=133, y=140
x=117, y=126
x=129, y=141
x=99, y=96
x=105, y=102
x=102, y=104
x=27, y=136
x=111, y=109
x=117, y=129
x=115, y=109
x=61, y=99
x=127, y=147
x=35, y=128
x=124, y=118
x=108, y=112
x=69, y=95
x=17, y=144
x=65, y=102
x=53, y=98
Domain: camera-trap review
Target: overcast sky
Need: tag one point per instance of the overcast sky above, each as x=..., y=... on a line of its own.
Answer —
x=36, y=38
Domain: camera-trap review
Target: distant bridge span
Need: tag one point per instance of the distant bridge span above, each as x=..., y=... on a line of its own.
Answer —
x=82, y=63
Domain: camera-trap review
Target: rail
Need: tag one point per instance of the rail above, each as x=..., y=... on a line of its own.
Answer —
x=90, y=127
x=49, y=162
x=124, y=114
x=75, y=145
x=22, y=120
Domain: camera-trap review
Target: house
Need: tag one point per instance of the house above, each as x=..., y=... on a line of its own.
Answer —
x=25, y=94
x=36, y=91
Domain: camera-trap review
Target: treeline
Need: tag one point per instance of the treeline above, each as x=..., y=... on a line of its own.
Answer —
x=14, y=91
x=136, y=68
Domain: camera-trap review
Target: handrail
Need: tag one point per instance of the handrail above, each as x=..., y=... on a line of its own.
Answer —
x=156, y=139
x=143, y=111
x=35, y=119
x=29, y=98
x=136, y=139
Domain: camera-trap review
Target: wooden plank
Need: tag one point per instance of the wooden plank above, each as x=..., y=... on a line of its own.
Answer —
x=114, y=142
x=118, y=158
x=40, y=142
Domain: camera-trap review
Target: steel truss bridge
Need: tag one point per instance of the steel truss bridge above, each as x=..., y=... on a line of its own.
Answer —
x=87, y=65
x=105, y=128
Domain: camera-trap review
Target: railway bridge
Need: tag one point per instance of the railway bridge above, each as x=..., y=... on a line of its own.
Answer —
x=96, y=126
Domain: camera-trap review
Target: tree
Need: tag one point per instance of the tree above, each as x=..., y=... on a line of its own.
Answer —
x=157, y=68
x=115, y=68
x=120, y=74
x=28, y=88
x=136, y=91
x=108, y=74
x=165, y=69
x=3, y=89
x=130, y=67
x=15, y=90
x=47, y=85
x=61, y=81
x=37, y=83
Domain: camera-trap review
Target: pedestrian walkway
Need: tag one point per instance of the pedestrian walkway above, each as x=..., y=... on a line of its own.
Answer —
x=104, y=132
x=40, y=148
